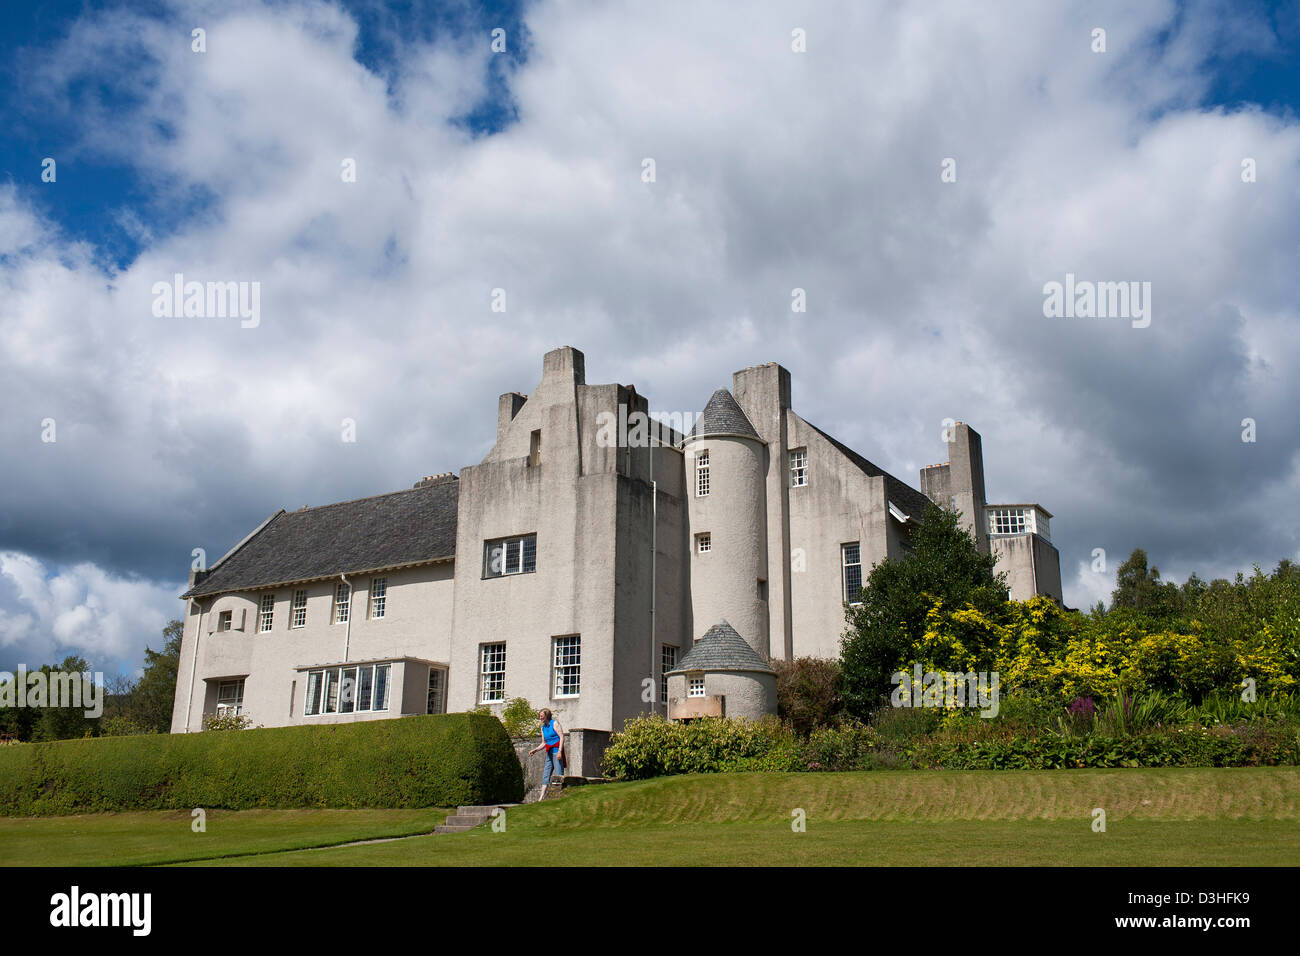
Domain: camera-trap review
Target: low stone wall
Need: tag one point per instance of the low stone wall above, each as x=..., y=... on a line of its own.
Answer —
x=583, y=752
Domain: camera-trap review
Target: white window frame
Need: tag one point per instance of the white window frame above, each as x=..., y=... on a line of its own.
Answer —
x=492, y=672
x=437, y=691
x=702, y=473
x=323, y=681
x=298, y=615
x=517, y=555
x=695, y=685
x=845, y=564
x=233, y=702
x=704, y=542
x=799, y=468
x=667, y=661
x=378, y=598
x=342, y=603
x=566, y=666
x=266, y=614
x=1010, y=521
x=226, y=621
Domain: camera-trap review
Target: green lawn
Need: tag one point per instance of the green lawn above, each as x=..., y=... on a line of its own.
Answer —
x=165, y=836
x=1174, y=817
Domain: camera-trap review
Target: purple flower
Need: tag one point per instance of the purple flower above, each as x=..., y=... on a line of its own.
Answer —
x=1081, y=707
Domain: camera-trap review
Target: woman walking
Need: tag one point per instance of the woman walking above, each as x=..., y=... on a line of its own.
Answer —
x=553, y=741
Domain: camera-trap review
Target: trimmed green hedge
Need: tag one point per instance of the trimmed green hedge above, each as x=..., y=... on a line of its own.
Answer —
x=443, y=760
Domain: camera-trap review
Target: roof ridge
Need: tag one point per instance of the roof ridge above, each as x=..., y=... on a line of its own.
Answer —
x=383, y=494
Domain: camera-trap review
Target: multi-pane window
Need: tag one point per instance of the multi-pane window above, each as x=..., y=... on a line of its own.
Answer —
x=378, y=596
x=299, y=616
x=702, y=473
x=695, y=686
x=510, y=556
x=568, y=666
x=851, y=560
x=492, y=673
x=225, y=620
x=667, y=661
x=354, y=689
x=266, y=613
x=799, y=468
x=230, y=697
x=1007, y=521
x=437, y=691
x=704, y=542
x=342, y=602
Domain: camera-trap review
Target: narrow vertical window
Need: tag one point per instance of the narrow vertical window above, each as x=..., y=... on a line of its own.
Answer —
x=299, y=618
x=535, y=449
x=437, y=691
x=667, y=661
x=702, y=473
x=266, y=614
x=492, y=673
x=851, y=560
x=568, y=666
x=378, y=596
x=342, y=603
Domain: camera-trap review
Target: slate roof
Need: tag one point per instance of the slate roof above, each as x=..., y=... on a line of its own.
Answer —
x=722, y=416
x=366, y=534
x=912, y=502
x=722, y=649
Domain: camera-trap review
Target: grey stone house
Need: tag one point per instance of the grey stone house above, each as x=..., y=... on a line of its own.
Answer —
x=596, y=561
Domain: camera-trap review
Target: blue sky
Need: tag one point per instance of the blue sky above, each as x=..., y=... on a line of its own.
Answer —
x=522, y=171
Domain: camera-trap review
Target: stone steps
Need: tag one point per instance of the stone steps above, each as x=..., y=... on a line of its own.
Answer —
x=469, y=817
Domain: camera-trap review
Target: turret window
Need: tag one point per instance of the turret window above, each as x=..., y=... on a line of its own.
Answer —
x=702, y=473
x=704, y=542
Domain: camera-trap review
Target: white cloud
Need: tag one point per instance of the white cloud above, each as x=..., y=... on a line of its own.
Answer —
x=47, y=614
x=775, y=170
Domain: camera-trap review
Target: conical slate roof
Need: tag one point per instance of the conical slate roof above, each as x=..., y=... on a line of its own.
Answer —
x=722, y=416
x=722, y=649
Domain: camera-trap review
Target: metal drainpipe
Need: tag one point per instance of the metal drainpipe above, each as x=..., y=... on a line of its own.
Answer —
x=654, y=556
x=194, y=663
x=347, y=632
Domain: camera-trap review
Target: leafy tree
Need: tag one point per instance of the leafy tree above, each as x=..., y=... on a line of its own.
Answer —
x=63, y=723
x=1139, y=588
x=944, y=564
x=155, y=693
x=808, y=693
